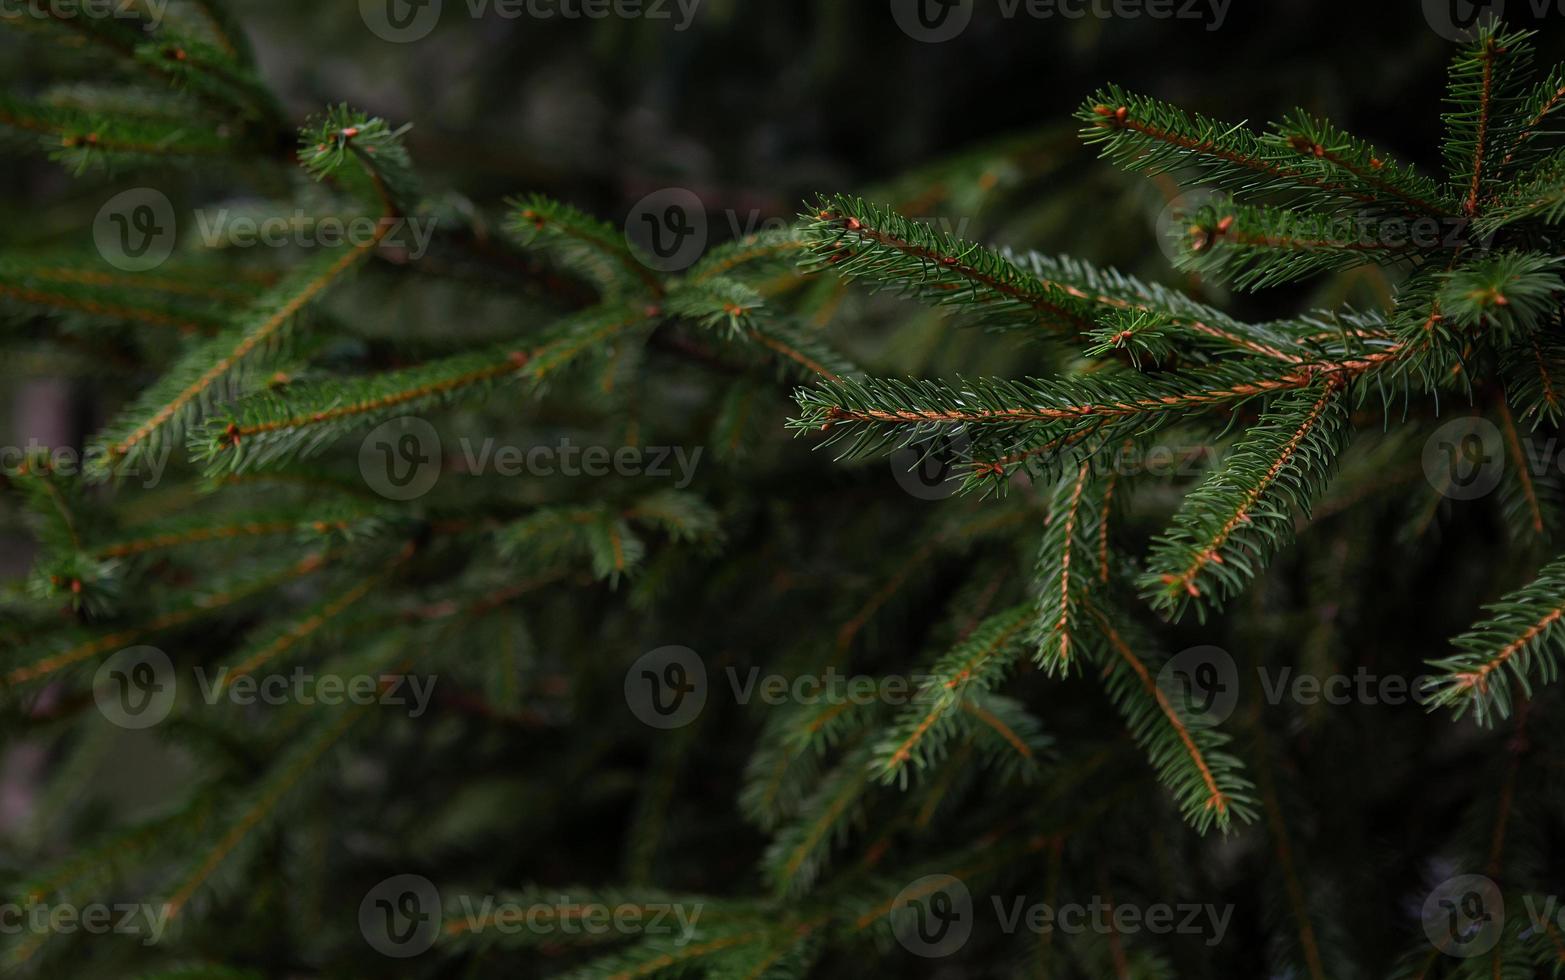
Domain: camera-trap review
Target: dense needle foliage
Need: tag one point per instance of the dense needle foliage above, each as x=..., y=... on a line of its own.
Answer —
x=1033, y=730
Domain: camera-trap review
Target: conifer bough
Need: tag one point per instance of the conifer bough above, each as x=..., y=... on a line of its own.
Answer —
x=265, y=552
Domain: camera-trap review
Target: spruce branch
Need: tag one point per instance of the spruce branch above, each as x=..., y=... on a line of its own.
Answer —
x=212, y=369
x=1063, y=579
x=1007, y=290
x=83, y=140
x=82, y=303
x=1143, y=134
x=46, y=659
x=1486, y=91
x=101, y=867
x=1260, y=247
x=258, y=810
x=1227, y=530
x=208, y=372
x=800, y=852
x=583, y=243
x=786, y=761
x=269, y=429
x=383, y=173
x=1534, y=372
x=176, y=279
x=208, y=71
x=1357, y=163
x=1532, y=504
x=755, y=255
x=1522, y=640
x=667, y=956
x=1541, y=105
x=351, y=521
x=1185, y=321
x=285, y=639
x=870, y=415
x=1206, y=781
x=1538, y=194
x=859, y=240
x=1010, y=740
x=919, y=737
x=739, y=313
x=79, y=290
x=605, y=535
x=1508, y=294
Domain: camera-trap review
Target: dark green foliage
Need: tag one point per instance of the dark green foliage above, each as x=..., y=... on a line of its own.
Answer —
x=1132, y=454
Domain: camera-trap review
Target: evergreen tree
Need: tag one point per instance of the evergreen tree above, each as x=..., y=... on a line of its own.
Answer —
x=710, y=696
